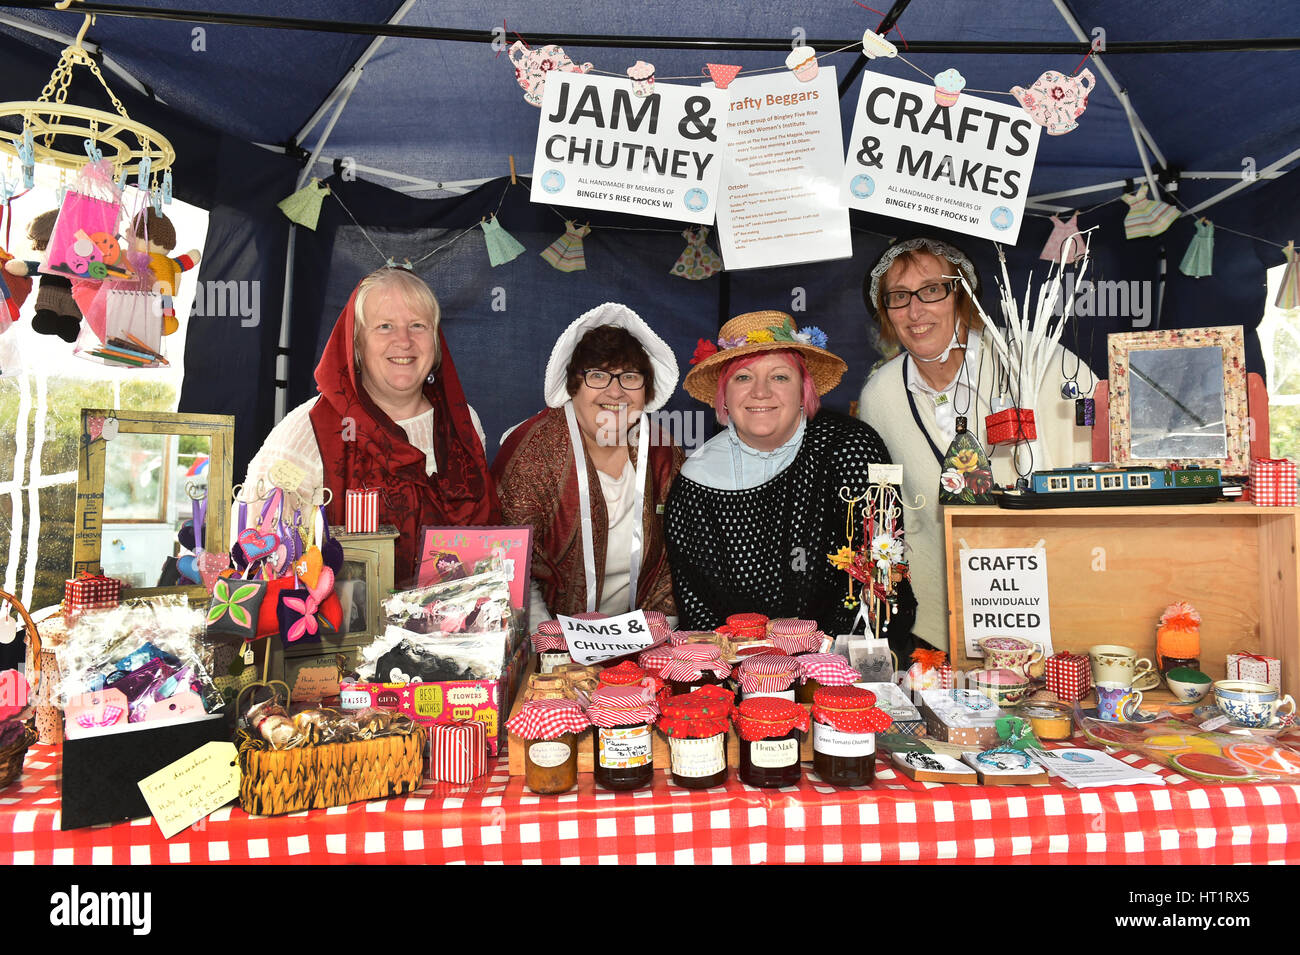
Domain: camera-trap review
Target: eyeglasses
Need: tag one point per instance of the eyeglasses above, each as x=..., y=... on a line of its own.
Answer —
x=937, y=292
x=628, y=380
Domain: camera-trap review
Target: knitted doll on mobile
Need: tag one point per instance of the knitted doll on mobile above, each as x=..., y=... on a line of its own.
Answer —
x=154, y=233
x=56, y=312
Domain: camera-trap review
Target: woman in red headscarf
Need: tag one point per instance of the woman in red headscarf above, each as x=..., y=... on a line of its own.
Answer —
x=391, y=415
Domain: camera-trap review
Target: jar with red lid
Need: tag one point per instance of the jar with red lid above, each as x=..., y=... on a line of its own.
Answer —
x=768, y=675
x=696, y=726
x=769, y=729
x=622, y=750
x=549, y=729
x=797, y=644
x=747, y=626
x=823, y=669
x=694, y=665
x=845, y=723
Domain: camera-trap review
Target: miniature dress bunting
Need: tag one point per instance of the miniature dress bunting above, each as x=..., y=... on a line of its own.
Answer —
x=1062, y=229
x=1146, y=217
x=502, y=247
x=1198, y=260
x=565, y=253
x=1288, y=296
x=698, y=261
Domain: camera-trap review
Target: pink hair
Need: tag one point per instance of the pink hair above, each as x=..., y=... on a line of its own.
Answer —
x=811, y=401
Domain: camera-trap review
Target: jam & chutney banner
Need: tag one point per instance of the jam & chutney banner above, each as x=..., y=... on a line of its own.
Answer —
x=603, y=145
x=915, y=154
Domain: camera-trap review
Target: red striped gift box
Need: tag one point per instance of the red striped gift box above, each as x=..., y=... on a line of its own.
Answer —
x=1273, y=482
x=362, y=511
x=457, y=751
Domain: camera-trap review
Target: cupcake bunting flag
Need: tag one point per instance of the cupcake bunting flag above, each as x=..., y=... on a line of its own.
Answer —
x=642, y=75
x=802, y=62
x=947, y=87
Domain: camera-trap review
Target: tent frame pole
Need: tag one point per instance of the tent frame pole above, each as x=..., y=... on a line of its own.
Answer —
x=1136, y=125
x=1267, y=171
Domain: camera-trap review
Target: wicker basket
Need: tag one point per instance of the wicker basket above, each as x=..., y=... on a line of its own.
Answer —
x=329, y=774
x=12, y=756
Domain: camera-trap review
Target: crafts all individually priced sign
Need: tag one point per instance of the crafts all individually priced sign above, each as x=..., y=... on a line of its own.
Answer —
x=780, y=173
x=964, y=167
x=600, y=146
x=1004, y=593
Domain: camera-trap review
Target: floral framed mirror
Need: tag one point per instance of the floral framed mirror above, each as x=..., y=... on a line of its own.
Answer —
x=1178, y=398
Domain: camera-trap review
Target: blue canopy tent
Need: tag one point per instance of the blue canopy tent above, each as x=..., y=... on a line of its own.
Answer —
x=413, y=133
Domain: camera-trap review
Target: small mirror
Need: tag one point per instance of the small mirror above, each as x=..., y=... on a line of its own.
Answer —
x=1179, y=397
x=150, y=487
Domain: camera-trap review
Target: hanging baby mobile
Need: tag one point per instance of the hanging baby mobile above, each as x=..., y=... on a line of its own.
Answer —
x=86, y=260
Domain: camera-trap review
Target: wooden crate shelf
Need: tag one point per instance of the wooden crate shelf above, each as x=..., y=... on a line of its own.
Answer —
x=1111, y=571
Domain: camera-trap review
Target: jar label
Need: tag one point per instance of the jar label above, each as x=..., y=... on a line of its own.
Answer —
x=774, y=753
x=697, y=758
x=779, y=695
x=625, y=748
x=551, y=659
x=829, y=740
x=548, y=753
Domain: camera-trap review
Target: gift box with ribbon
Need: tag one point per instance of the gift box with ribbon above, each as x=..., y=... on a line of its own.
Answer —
x=1069, y=675
x=1273, y=482
x=1010, y=425
x=90, y=592
x=361, y=511
x=1256, y=668
x=457, y=751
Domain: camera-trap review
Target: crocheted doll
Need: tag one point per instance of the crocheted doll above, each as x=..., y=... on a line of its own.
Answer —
x=154, y=233
x=56, y=312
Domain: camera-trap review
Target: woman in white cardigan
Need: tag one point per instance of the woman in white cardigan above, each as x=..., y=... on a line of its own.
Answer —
x=945, y=371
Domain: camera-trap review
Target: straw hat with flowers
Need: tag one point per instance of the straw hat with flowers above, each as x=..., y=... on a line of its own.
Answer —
x=759, y=332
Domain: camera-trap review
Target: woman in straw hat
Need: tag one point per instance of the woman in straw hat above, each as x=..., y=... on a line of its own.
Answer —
x=755, y=511
x=944, y=372
x=590, y=472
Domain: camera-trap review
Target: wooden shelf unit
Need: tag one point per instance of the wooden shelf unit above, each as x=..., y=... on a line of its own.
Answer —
x=1111, y=571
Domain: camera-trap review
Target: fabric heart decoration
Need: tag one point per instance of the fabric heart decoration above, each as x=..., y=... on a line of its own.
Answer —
x=211, y=566
x=255, y=544
x=309, y=566
x=95, y=426
x=186, y=535
x=323, y=587
x=189, y=568
x=332, y=553
x=279, y=562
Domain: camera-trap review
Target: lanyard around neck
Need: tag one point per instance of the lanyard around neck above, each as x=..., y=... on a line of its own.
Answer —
x=584, y=508
x=916, y=415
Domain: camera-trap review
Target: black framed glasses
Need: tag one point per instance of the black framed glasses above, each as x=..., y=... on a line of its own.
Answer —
x=628, y=380
x=934, y=292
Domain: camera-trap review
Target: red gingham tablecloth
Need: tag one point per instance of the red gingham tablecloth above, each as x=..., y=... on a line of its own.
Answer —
x=495, y=819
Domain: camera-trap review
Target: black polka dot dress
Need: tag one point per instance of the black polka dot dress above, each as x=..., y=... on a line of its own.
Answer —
x=765, y=549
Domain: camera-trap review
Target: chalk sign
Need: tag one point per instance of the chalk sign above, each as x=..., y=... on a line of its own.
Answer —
x=591, y=641
x=964, y=167
x=599, y=146
x=1004, y=593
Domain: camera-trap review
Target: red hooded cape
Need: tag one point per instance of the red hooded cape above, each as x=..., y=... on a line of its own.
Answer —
x=361, y=447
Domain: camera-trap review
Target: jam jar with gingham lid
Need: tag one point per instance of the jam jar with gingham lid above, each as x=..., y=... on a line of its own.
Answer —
x=551, y=647
x=845, y=723
x=769, y=729
x=622, y=750
x=823, y=669
x=770, y=674
x=696, y=725
x=549, y=730
x=693, y=665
